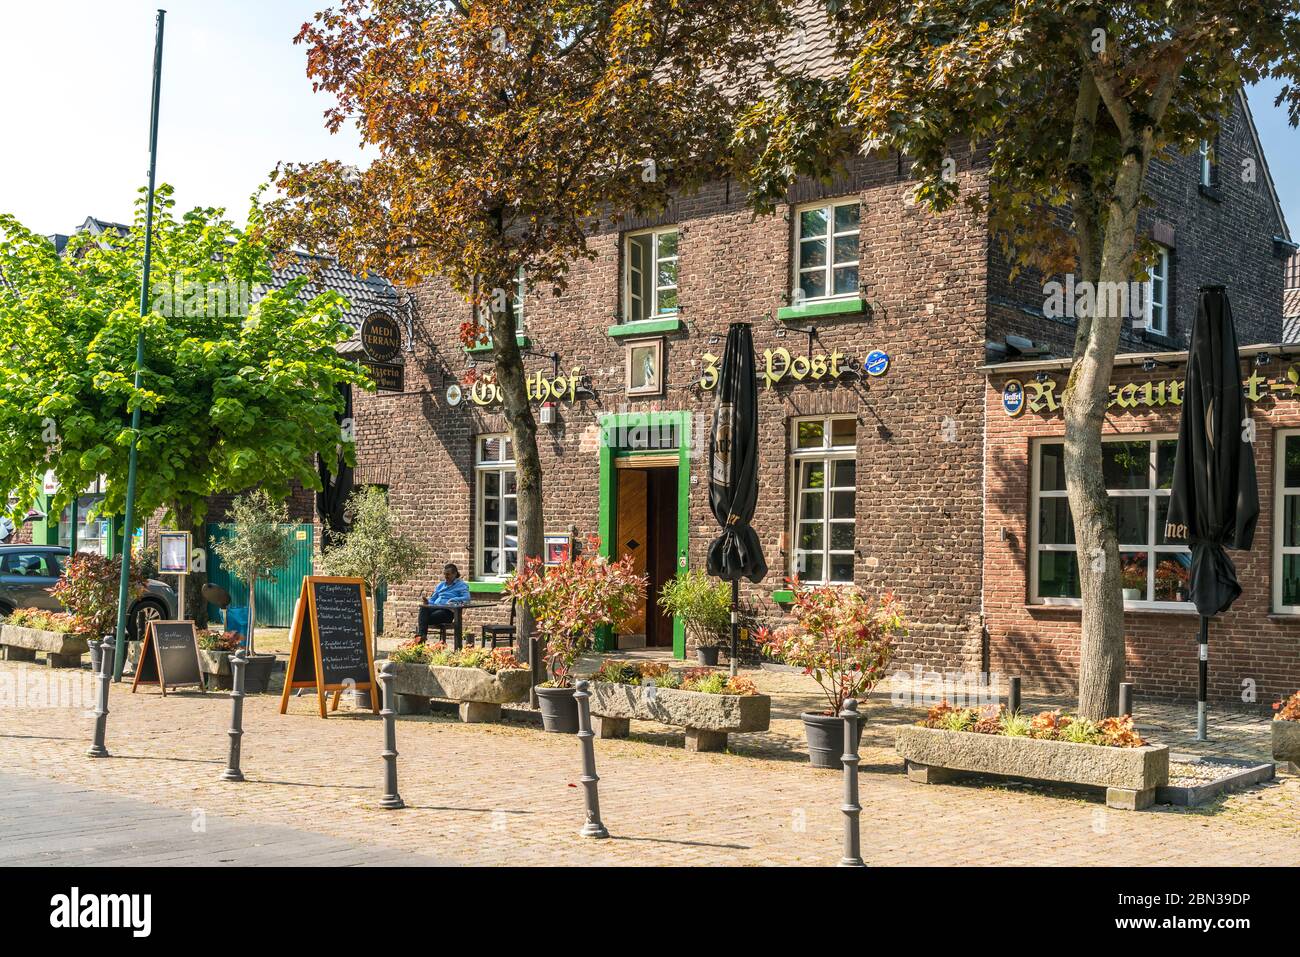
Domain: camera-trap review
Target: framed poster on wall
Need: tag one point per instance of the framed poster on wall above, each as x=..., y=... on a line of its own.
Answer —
x=558, y=548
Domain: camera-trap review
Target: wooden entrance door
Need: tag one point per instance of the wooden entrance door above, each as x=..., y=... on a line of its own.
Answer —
x=646, y=529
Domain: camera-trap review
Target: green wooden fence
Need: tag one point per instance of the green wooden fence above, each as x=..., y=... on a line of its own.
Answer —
x=274, y=598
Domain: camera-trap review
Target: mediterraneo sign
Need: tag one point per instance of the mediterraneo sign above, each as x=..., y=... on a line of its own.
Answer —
x=779, y=364
x=540, y=388
x=1035, y=396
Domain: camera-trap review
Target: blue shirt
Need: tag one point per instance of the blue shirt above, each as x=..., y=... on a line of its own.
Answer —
x=450, y=594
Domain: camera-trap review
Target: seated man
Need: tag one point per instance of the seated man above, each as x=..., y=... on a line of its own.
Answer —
x=451, y=590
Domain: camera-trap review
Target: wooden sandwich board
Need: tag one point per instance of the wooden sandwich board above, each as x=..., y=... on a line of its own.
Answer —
x=169, y=656
x=332, y=648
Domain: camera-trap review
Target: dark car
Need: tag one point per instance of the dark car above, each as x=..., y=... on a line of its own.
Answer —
x=28, y=572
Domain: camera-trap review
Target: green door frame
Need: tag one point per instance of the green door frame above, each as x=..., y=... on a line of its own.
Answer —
x=611, y=425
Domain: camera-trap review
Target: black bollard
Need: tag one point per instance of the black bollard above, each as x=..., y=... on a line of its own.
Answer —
x=237, y=664
x=1013, y=695
x=593, y=827
x=535, y=665
x=851, y=808
x=391, y=801
x=1126, y=699
x=94, y=657
x=97, y=747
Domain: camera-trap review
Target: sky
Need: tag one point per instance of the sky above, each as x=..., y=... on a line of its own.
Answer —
x=236, y=100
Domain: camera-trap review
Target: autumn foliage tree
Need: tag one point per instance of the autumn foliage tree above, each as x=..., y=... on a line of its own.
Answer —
x=506, y=131
x=1072, y=100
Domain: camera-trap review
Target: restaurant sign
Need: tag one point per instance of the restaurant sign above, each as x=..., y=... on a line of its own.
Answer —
x=380, y=337
x=1044, y=397
x=540, y=388
x=780, y=363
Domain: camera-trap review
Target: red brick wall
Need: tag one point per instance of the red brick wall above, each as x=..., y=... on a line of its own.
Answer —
x=919, y=496
x=1249, y=643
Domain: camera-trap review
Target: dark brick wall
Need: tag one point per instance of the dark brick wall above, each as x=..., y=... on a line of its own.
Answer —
x=1217, y=236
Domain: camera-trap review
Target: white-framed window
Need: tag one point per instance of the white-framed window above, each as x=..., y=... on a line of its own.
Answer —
x=650, y=274
x=826, y=250
x=1286, y=542
x=1139, y=473
x=496, y=507
x=1157, y=294
x=823, y=470
x=1207, y=163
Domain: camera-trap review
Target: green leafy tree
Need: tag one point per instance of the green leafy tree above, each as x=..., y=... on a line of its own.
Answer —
x=258, y=548
x=506, y=130
x=235, y=394
x=375, y=548
x=1070, y=101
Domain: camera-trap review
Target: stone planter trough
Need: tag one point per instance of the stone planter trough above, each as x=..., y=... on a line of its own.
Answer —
x=1129, y=775
x=479, y=694
x=62, y=650
x=215, y=666
x=707, y=718
x=1286, y=744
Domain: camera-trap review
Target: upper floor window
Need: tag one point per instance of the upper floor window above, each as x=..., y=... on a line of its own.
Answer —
x=650, y=274
x=826, y=250
x=1286, y=543
x=1157, y=294
x=495, y=482
x=517, y=299
x=1209, y=163
x=1139, y=473
x=824, y=465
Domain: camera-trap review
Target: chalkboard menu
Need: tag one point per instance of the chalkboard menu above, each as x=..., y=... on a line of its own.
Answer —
x=332, y=648
x=169, y=656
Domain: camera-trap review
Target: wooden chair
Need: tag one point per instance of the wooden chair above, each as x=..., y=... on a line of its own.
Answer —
x=494, y=635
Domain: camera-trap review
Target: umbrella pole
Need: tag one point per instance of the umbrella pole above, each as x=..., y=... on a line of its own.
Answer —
x=1203, y=680
x=735, y=622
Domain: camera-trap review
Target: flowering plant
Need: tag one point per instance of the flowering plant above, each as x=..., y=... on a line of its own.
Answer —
x=41, y=620
x=89, y=589
x=1045, y=726
x=840, y=637
x=1288, y=710
x=571, y=600
x=226, y=641
x=659, y=675
x=416, y=651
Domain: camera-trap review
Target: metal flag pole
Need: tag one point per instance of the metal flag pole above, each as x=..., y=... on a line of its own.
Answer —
x=129, y=518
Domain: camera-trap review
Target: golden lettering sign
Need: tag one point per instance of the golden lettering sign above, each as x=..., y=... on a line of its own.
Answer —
x=539, y=388
x=778, y=364
x=1043, y=397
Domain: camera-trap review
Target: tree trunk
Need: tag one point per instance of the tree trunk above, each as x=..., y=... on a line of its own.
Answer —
x=196, y=606
x=509, y=365
x=252, y=613
x=1087, y=396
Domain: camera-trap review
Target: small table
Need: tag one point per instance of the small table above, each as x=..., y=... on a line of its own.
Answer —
x=458, y=611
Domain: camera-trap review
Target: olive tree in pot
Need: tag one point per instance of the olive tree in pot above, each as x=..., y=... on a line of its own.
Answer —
x=257, y=550
x=704, y=606
x=374, y=550
x=845, y=641
x=569, y=602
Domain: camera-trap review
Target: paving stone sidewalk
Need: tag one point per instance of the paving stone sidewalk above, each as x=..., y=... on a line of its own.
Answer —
x=509, y=794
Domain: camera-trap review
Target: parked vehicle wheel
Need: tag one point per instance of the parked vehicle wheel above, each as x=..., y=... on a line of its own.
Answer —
x=144, y=611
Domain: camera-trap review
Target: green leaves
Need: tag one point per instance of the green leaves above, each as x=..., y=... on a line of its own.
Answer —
x=236, y=391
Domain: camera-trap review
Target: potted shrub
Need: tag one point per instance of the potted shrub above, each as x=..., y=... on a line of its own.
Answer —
x=215, y=649
x=704, y=606
x=1286, y=731
x=569, y=602
x=257, y=550
x=845, y=641
x=89, y=590
x=1133, y=579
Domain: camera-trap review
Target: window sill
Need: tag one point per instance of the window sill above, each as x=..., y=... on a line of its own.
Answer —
x=809, y=310
x=486, y=588
x=521, y=340
x=1189, y=612
x=644, y=327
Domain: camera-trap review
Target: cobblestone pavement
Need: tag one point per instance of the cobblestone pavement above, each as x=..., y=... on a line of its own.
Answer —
x=509, y=794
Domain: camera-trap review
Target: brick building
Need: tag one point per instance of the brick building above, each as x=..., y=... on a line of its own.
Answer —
x=886, y=458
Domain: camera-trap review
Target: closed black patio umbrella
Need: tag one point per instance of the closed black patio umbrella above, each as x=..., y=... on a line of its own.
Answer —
x=733, y=472
x=1214, y=501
